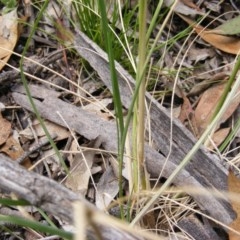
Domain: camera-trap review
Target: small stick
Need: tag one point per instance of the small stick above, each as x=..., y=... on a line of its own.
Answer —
x=35, y=148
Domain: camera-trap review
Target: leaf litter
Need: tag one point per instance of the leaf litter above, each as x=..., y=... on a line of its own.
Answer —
x=225, y=43
x=207, y=106
x=5, y=127
x=80, y=167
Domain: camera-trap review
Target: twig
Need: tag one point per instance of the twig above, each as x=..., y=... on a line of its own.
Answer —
x=35, y=148
x=5, y=77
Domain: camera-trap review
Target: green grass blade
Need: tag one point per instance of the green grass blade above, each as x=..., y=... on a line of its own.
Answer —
x=36, y=226
x=154, y=19
x=116, y=93
x=11, y=202
x=45, y=216
x=230, y=136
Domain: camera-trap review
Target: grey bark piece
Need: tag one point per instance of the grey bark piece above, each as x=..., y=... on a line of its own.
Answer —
x=91, y=125
x=33, y=68
x=36, y=91
x=197, y=230
x=83, y=122
x=36, y=189
x=50, y=196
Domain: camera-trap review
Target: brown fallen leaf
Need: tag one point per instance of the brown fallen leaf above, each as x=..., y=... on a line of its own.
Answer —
x=207, y=105
x=218, y=137
x=234, y=187
x=8, y=36
x=5, y=129
x=225, y=43
x=186, y=109
x=198, y=88
x=13, y=149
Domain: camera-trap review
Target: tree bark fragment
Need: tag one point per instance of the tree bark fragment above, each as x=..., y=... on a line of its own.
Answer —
x=50, y=196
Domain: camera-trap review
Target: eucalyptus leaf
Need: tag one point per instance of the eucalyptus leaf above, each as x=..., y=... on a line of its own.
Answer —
x=230, y=27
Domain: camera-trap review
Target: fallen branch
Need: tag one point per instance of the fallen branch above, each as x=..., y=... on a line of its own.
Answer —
x=55, y=199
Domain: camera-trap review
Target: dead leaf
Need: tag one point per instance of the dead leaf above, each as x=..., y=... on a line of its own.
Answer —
x=234, y=187
x=186, y=7
x=207, y=105
x=186, y=109
x=225, y=43
x=213, y=6
x=5, y=129
x=218, y=137
x=200, y=54
x=80, y=168
x=198, y=88
x=62, y=133
x=107, y=189
x=13, y=149
x=230, y=27
x=8, y=35
x=52, y=160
